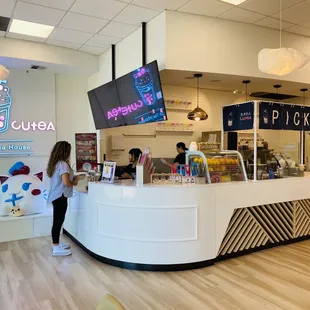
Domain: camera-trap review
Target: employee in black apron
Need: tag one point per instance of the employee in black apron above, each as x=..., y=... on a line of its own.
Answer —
x=180, y=158
x=129, y=172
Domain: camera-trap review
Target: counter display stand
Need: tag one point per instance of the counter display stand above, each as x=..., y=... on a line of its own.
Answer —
x=224, y=166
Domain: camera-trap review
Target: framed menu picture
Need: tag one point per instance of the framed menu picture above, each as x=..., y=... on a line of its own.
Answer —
x=108, y=171
x=86, y=151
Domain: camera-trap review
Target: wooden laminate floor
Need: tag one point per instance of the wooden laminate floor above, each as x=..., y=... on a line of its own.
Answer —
x=30, y=278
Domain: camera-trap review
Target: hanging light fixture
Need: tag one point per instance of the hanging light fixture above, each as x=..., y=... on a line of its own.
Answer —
x=281, y=61
x=4, y=73
x=246, y=83
x=277, y=87
x=197, y=114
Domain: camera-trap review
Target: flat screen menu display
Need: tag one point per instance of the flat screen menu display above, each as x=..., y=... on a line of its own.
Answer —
x=133, y=99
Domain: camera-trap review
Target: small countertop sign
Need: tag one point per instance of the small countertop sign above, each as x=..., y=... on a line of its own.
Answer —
x=108, y=172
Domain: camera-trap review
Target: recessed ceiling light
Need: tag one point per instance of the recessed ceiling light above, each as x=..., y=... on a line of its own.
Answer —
x=30, y=29
x=234, y=2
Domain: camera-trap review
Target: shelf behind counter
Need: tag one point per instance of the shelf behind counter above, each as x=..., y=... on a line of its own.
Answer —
x=178, y=227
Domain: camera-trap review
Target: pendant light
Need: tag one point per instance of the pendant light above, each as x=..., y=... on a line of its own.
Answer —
x=281, y=61
x=277, y=87
x=197, y=114
x=246, y=83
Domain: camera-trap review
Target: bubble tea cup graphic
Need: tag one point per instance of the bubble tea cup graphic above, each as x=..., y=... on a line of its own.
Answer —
x=5, y=106
x=265, y=116
x=230, y=119
x=145, y=87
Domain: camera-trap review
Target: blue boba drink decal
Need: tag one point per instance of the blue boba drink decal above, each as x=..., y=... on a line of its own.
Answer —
x=145, y=87
x=5, y=106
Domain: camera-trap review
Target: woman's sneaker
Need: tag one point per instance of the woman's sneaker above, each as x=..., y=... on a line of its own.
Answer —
x=60, y=251
x=64, y=245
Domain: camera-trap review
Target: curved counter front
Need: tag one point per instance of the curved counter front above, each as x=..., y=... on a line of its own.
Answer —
x=177, y=227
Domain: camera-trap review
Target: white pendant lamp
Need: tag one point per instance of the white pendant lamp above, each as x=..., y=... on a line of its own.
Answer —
x=281, y=61
x=4, y=73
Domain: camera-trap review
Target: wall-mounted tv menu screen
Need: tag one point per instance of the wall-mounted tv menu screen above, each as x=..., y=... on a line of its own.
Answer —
x=133, y=99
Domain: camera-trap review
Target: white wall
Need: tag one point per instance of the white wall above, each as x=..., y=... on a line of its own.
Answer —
x=17, y=53
x=72, y=108
x=205, y=44
x=33, y=99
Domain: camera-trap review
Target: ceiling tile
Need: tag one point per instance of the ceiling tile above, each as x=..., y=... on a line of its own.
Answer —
x=68, y=35
x=273, y=23
x=93, y=50
x=241, y=15
x=83, y=23
x=161, y=5
x=24, y=37
x=38, y=14
x=75, y=46
x=268, y=7
x=206, y=7
x=7, y=7
x=56, y=4
x=306, y=24
x=102, y=41
x=119, y=30
x=299, y=30
x=135, y=15
x=107, y=9
x=296, y=14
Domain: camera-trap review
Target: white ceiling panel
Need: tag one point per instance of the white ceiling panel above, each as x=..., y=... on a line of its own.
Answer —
x=211, y=8
x=268, y=7
x=102, y=41
x=273, y=23
x=161, y=5
x=83, y=23
x=119, y=30
x=74, y=46
x=7, y=7
x=135, y=15
x=299, y=30
x=106, y=9
x=306, y=24
x=56, y=4
x=241, y=15
x=38, y=14
x=296, y=14
x=24, y=37
x=93, y=50
x=68, y=35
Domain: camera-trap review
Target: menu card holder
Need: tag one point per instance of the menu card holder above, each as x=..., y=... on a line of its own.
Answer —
x=108, y=172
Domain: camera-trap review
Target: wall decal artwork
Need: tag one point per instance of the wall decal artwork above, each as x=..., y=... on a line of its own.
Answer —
x=22, y=193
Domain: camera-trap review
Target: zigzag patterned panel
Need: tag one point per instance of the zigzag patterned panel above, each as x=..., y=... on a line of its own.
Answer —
x=255, y=227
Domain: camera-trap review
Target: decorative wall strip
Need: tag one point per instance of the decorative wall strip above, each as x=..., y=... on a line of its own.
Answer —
x=255, y=227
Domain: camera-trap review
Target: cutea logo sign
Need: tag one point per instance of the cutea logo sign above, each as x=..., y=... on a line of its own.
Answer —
x=5, y=115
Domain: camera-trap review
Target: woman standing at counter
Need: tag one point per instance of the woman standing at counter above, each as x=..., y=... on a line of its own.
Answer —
x=180, y=158
x=62, y=182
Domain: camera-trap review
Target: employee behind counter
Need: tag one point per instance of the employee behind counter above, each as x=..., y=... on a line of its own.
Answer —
x=129, y=172
x=180, y=159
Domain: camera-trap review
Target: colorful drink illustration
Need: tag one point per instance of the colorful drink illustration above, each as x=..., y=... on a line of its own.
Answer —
x=230, y=119
x=5, y=106
x=145, y=87
x=265, y=117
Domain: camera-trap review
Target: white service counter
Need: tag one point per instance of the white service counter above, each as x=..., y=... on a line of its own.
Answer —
x=175, y=227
